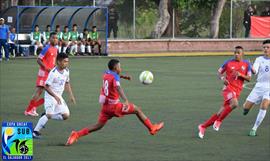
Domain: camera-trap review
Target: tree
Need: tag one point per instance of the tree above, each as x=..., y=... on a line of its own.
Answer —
x=217, y=10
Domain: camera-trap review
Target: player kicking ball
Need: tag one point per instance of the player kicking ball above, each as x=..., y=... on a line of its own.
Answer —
x=260, y=94
x=112, y=107
x=55, y=106
x=237, y=71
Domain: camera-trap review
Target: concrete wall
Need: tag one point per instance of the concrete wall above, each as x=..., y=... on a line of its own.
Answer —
x=182, y=45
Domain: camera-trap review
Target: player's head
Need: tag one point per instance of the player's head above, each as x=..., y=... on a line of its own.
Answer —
x=53, y=38
x=57, y=28
x=13, y=29
x=94, y=28
x=74, y=27
x=114, y=65
x=238, y=52
x=48, y=27
x=266, y=47
x=36, y=28
x=85, y=30
x=2, y=21
x=62, y=60
x=66, y=29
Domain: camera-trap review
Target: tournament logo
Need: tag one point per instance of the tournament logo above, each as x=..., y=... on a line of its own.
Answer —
x=17, y=141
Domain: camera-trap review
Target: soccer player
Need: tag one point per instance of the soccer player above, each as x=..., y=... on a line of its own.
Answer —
x=46, y=35
x=59, y=37
x=46, y=61
x=36, y=39
x=65, y=39
x=4, y=38
x=261, y=92
x=55, y=106
x=94, y=40
x=237, y=71
x=12, y=44
x=74, y=36
x=84, y=37
x=112, y=107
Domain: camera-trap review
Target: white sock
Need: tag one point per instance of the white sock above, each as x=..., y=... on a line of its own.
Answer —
x=59, y=49
x=57, y=117
x=41, y=123
x=88, y=49
x=35, y=50
x=82, y=48
x=76, y=48
x=64, y=49
x=259, y=119
x=71, y=48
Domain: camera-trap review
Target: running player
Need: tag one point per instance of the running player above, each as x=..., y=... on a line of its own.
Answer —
x=112, y=107
x=46, y=61
x=261, y=92
x=237, y=71
x=55, y=106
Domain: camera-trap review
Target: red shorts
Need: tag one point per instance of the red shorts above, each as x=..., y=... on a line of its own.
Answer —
x=114, y=110
x=41, y=78
x=229, y=94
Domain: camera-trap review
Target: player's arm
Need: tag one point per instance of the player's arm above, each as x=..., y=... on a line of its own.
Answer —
x=221, y=76
x=255, y=67
x=41, y=64
x=48, y=89
x=127, y=77
x=69, y=90
x=122, y=94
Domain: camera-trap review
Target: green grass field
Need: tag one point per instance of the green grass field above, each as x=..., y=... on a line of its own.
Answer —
x=185, y=92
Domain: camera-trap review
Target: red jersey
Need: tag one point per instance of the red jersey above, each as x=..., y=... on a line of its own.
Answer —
x=48, y=57
x=232, y=66
x=109, y=93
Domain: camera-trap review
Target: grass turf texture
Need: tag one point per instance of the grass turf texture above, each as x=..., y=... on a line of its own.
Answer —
x=185, y=92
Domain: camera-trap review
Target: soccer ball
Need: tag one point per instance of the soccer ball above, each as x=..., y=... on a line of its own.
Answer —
x=146, y=77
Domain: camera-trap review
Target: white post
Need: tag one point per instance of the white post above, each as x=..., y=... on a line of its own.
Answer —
x=52, y=2
x=134, y=19
x=231, y=19
x=94, y=2
x=173, y=23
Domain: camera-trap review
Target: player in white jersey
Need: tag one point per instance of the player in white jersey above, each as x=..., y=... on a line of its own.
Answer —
x=55, y=106
x=260, y=94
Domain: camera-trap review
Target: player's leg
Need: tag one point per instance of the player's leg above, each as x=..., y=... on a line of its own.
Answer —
x=247, y=106
x=264, y=106
x=6, y=50
x=99, y=47
x=34, y=102
x=255, y=97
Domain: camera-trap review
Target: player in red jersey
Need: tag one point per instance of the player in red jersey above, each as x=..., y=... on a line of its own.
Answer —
x=237, y=71
x=46, y=61
x=112, y=107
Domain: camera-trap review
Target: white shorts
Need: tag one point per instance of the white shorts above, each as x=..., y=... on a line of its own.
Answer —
x=52, y=107
x=258, y=94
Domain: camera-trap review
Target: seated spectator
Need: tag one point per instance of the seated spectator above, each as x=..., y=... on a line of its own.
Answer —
x=46, y=35
x=12, y=43
x=94, y=40
x=74, y=36
x=59, y=36
x=36, y=39
x=266, y=12
x=84, y=43
x=65, y=39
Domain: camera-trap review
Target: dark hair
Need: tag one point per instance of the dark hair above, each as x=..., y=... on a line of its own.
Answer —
x=66, y=27
x=85, y=29
x=52, y=33
x=239, y=47
x=94, y=27
x=36, y=26
x=266, y=41
x=112, y=63
x=74, y=25
x=61, y=56
x=57, y=26
x=48, y=26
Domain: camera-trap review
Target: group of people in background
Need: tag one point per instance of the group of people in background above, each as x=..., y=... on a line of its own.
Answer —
x=252, y=11
x=70, y=42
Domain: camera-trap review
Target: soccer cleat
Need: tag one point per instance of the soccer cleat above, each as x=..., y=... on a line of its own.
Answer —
x=245, y=112
x=36, y=135
x=216, y=125
x=252, y=133
x=201, y=131
x=156, y=128
x=30, y=113
x=72, y=138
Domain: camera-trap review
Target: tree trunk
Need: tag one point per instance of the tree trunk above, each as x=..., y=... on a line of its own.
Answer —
x=28, y=2
x=164, y=19
x=216, y=17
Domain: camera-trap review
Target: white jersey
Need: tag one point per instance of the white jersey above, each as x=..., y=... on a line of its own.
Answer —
x=57, y=80
x=262, y=69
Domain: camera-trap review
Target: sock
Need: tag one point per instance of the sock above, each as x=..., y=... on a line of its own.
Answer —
x=210, y=121
x=83, y=132
x=57, y=117
x=64, y=49
x=31, y=105
x=227, y=110
x=41, y=123
x=259, y=119
x=148, y=123
x=76, y=48
x=35, y=50
x=39, y=102
x=245, y=112
x=82, y=48
x=59, y=49
x=88, y=49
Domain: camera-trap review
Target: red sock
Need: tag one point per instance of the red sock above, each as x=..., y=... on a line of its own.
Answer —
x=83, y=132
x=210, y=121
x=148, y=123
x=31, y=105
x=39, y=102
x=227, y=110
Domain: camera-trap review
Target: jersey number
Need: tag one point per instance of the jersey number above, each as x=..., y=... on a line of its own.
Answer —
x=106, y=87
x=267, y=68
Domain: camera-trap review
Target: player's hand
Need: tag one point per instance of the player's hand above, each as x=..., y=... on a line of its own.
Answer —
x=73, y=100
x=226, y=82
x=48, y=70
x=126, y=103
x=127, y=77
x=58, y=100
